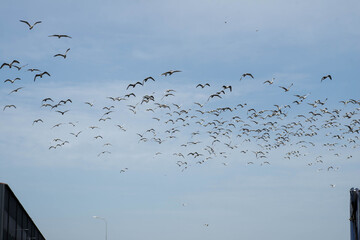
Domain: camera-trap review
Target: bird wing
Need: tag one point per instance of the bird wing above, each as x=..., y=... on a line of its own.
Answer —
x=23, y=21
x=165, y=73
x=4, y=64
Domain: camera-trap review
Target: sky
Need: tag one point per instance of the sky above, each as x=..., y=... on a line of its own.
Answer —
x=143, y=188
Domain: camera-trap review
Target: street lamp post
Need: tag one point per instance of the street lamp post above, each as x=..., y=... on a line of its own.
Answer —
x=105, y=224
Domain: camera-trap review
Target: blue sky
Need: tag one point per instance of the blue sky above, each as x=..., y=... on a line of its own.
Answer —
x=115, y=43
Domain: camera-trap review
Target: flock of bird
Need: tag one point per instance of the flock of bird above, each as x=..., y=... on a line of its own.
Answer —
x=206, y=133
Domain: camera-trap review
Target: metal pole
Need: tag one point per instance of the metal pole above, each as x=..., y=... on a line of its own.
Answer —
x=105, y=224
x=354, y=214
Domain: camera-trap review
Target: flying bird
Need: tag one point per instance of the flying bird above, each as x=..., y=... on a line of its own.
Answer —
x=286, y=89
x=89, y=103
x=62, y=112
x=134, y=85
x=33, y=70
x=65, y=101
x=202, y=86
x=269, y=81
x=171, y=72
x=15, y=90
x=130, y=94
x=9, y=64
x=214, y=95
x=325, y=77
x=76, y=134
x=41, y=75
x=37, y=120
x=146, y=79
x=227, y=87
x=62, y=55
x=103, y=152
x=47, y=99
x=29, y=25
x=60, y=36
x=11, y=81
x=246, y=74
x=9, y=106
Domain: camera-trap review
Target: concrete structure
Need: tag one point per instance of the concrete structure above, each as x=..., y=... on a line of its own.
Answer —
x=15, y=223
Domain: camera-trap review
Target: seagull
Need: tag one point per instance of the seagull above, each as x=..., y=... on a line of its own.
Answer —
x=286, y=89
x=65, y=101
x=227, y=87
x=89, y=103
x=12, y=81
x=130, y=94
x=246, y=74
x=41, y=75
x=270, y=82
x=37, y=120
x=30, y=26
x=62, y=55
x=60, y=36
x=57, y=125
x=33, y=70
x=47, y=99
x=9, y=64
x=9, y=106
x=103, y=152
x=202, y=86
x=76, y=134
x=62, y=113
x=134, y=85
x=214, y=95
x=146, y=79
x=325, y=77
x=170, y=72
x=15, y=90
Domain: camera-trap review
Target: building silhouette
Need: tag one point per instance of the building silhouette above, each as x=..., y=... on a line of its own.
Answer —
x=15, y=223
